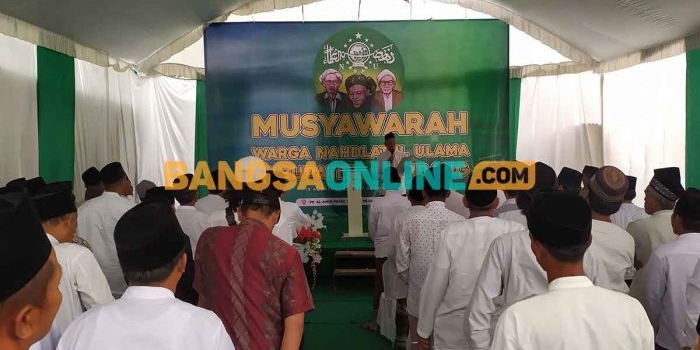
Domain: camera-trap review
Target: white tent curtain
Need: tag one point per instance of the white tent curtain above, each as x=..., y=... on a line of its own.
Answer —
x=644, y=118
x=104, y=121
x=141, y=122
x=559, y=121
x=639, y=126
x=524, y=50
x=164, y=115
x=18, y=110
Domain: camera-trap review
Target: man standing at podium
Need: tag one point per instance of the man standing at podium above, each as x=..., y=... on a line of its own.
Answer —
x=395, y=159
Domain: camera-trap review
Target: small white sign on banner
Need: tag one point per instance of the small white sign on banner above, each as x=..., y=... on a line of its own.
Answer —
x=327, y=202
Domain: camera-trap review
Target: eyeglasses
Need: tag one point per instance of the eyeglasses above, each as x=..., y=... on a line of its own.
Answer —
x=332, y=82
x=386, y=82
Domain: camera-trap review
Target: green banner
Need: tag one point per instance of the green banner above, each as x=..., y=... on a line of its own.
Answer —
x=514, y=115
x=56, y=110
x=200, y=128
x=314, y=94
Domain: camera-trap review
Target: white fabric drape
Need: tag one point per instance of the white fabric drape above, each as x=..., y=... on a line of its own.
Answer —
x=104, y=121
x=559, y=121
x=18, y=110
x=140, y=122
x=644, y=119
x=164, y=116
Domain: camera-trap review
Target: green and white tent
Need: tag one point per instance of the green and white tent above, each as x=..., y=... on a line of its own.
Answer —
x=87, y=82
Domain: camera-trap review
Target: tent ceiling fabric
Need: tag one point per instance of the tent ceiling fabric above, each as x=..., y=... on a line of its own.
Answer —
x=607, y=29
x=148, y=32
x=131, y=30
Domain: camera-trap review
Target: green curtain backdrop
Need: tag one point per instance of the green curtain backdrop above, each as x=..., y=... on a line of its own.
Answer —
x=200, y=129
x=513, y=113
x=692, y=119
x=56, y=114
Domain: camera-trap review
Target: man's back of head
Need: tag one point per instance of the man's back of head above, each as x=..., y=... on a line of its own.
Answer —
x=560, y=225
x=114, y=179
x=151, y=245
x=606, y=191
x=187, y=196
x=663, y=190
x=481, y=200
x=570, y=180
x=415, y=195
x=160, y=194
x=686, y=214
x=434, y=184
x=261, y=203
x=545, y=179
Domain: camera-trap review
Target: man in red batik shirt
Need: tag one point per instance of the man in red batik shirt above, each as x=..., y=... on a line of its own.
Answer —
x=252, y=280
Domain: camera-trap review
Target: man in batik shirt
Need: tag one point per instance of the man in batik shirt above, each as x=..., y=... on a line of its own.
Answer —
x=252, y=280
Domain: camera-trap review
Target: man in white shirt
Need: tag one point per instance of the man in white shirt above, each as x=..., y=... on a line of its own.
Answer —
x=509, y=274
x=97, y=218
x=395, y=284
x=395, y=158
x=382, y=214
x=418, y=241
x=663, y=191
x=573, y=314
x=692, y=292
x=150, y=245
x=184, y=290
x=629, y=212
x=545, y=178
x=292, y=219
x=83, y=284
x=668, y=271
x=604, y=193
x=450, y=280
x=660, y=196
x=192, y=221
x=214, y=204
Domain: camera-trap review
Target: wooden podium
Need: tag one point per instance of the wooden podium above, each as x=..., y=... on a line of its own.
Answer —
x=355, y=222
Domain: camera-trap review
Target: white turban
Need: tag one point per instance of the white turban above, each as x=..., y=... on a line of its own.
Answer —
x=384, y=73
x=330, y=71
